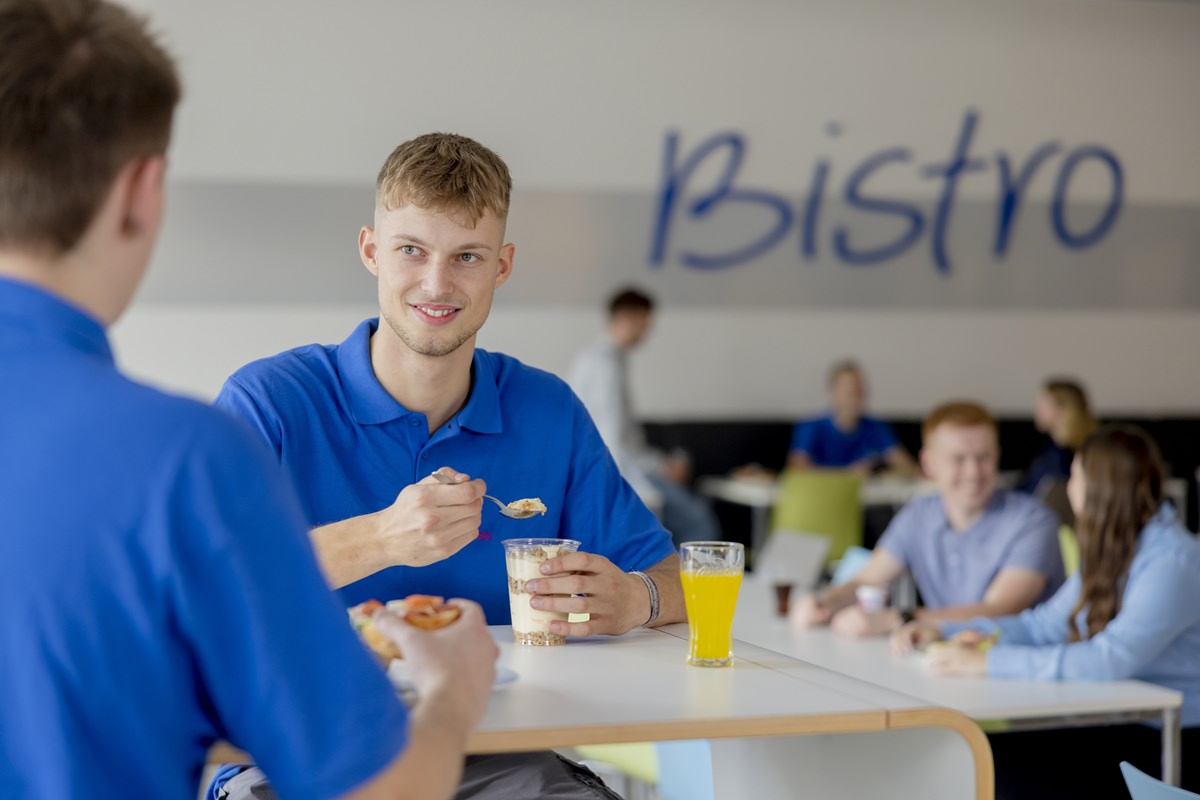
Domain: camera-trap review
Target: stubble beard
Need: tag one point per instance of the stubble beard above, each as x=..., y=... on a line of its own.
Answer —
x=431, y=346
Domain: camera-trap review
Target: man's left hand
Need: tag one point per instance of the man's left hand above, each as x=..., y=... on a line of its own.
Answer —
x=614, y=600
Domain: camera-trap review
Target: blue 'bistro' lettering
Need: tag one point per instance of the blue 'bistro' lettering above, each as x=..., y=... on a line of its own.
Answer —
x=779, y=216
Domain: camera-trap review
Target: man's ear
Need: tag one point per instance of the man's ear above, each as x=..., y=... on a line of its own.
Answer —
x=367, y=249
x=505, y=263
x=142, y=210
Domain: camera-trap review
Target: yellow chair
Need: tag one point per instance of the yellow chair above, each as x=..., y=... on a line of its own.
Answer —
x=821, y=501
x=637, y=760
x=674, y=770
x=1070, y=549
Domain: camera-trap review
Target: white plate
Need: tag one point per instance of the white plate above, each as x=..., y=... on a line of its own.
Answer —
x=397, y=673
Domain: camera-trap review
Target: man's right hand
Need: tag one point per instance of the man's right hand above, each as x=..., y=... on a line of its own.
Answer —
x=431, y=520
x=809, y=611
x=453, y=670
x=456, y=663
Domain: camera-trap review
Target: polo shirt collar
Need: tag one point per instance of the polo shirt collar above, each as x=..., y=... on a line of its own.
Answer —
x=44, y=315
x=370, y=403
x=994, y=503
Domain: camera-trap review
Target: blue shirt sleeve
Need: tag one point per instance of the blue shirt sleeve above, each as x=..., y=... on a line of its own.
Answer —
x=804, y=436
x=286, y=675
x=1160, y=601
x=1036, y=548
x=897, y=538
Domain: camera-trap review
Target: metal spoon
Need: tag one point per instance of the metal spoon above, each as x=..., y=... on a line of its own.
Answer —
x=505, y=509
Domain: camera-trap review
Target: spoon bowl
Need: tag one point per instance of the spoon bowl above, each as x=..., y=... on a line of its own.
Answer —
x=519, y=509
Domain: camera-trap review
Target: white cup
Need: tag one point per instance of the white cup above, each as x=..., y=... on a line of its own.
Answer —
x=871, y=598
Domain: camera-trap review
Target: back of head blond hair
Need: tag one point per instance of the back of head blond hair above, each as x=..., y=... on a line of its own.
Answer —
x=1075, y=421
x=445, y=172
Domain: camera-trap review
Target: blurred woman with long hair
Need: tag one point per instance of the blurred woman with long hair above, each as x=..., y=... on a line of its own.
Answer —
x=1131, y=611
x=1061, y=411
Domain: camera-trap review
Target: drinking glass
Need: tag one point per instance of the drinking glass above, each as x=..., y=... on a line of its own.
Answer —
x=711, y=573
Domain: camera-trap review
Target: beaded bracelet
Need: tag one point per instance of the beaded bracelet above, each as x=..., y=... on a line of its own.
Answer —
x=652, y=588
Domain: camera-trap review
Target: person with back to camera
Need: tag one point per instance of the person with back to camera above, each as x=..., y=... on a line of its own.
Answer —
x=158, y=589
x=1061, y=412
x=1131, y=611
x=971, y=548
x=845, y=437
x=362, y=427
x=600, y=376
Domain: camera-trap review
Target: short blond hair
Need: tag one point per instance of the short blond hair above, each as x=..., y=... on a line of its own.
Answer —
x=445, y=172
x=959, y=413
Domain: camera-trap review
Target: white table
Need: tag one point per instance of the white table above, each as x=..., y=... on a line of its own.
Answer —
x=774, y=723
x=1020, y=704
x=759, y=495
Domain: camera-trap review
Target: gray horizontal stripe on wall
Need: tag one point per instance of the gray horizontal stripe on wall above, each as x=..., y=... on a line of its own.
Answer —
x=290, y=244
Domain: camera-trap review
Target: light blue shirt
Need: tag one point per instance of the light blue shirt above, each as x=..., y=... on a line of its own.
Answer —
x=954, y=568
x=1155, y=636
x=158, y=589
x=350, y=448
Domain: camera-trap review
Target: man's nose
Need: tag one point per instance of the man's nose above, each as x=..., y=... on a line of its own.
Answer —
x=438, y=278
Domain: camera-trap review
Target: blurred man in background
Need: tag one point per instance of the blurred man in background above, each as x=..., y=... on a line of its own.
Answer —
x=600, y=376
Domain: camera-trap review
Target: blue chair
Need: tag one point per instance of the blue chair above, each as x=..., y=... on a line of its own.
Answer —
x=1144, y=787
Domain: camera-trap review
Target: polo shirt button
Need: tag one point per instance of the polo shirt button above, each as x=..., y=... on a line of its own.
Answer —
x=414, y=421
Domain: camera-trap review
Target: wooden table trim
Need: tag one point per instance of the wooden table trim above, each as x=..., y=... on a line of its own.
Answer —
x=964, y=726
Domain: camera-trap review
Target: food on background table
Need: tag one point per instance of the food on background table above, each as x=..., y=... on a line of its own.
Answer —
x=528, y=505
x=968, y=638
x=420, y=610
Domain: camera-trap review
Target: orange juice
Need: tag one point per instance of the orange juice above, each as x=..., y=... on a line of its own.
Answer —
x=711, y=600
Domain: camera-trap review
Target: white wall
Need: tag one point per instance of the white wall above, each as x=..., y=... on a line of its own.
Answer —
x=578, y=96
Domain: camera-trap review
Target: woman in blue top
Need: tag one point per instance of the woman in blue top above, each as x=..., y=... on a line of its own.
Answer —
x=1131, y=611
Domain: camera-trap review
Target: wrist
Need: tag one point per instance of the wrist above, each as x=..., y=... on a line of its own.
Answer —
x=654, y=600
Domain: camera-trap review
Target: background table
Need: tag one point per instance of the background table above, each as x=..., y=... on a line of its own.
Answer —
x=759, y=495
x=1021, y=704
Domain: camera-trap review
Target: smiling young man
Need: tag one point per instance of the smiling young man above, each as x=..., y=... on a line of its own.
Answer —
x=360, y=427
x=972, y=549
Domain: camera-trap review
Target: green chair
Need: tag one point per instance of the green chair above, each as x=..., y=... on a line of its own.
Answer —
x=631, y=760
x=674, y=770
x=1070, y=549
x=821, y=501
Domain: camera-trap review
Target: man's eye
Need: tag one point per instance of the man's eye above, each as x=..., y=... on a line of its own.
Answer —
x=409, y=250
x=469, y=258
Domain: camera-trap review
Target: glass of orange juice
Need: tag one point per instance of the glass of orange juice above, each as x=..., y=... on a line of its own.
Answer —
x=711, y=573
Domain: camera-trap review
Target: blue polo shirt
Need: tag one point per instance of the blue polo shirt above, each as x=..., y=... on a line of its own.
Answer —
x=157, y=590
x=952, y=568
x=350, y=448
x=828, y=446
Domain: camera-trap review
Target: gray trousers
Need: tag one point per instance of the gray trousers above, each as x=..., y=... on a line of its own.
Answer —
x=543, y=775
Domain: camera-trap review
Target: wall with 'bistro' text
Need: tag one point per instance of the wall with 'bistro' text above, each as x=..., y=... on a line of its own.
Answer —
x=967, y=197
